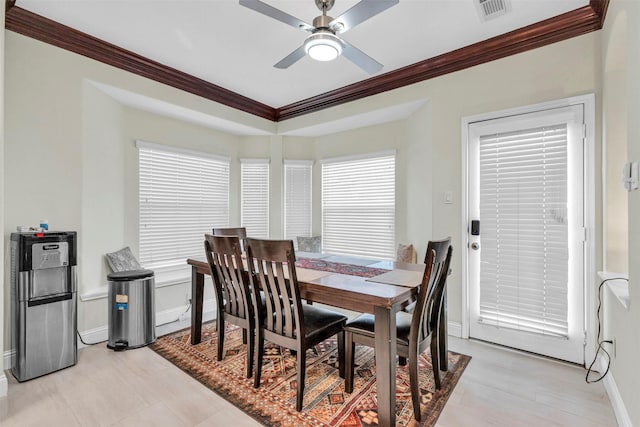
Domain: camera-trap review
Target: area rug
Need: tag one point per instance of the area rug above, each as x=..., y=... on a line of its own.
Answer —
x=339, y=267
x=325, y=401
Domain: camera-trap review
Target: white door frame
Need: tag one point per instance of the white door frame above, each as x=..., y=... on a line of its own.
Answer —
x=590, y=291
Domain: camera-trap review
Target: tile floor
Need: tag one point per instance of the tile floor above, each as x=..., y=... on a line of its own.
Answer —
x=139, y=388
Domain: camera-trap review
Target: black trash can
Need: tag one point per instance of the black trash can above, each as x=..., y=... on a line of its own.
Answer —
x=132, y=314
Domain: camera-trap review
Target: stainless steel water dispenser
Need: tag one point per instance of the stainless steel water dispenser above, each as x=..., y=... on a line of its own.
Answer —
x=43, y=303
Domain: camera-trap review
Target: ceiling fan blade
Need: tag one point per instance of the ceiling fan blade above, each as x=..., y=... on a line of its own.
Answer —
x=277, y=14
x=292, y=58
x=360, y=58
x=359, y=13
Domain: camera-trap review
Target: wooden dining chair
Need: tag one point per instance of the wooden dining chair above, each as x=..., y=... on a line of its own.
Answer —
x=415, y=331
x=287, y=322
x=241, y=232
x=231, y=284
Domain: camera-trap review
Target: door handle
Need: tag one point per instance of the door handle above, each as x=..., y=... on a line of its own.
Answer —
x=475, y=246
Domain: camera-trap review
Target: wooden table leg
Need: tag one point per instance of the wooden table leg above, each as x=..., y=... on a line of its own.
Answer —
x=443, y=334
x=197, y=295
x=385, y=350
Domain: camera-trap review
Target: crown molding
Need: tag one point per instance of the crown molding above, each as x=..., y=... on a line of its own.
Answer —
x=571, y=24
x=46, y=30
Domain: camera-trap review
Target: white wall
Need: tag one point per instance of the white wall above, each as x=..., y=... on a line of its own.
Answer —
x=420, y=198
x=621, y=111
x=43, y=150
x=614, y=140
x=71, y=158
x=55, y=114
x=557, y=71
x=102, y=186
x=627, y=373
x=3, y=378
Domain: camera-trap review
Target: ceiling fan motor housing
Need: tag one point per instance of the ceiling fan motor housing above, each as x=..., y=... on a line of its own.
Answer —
x=325, y=4
x=322, y=22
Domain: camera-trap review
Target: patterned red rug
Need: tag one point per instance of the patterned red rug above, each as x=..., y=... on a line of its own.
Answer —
x=325, y=402
x=339, y=267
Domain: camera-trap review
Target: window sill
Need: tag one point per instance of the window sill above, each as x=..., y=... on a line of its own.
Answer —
x=163, y=277
x=618, y=287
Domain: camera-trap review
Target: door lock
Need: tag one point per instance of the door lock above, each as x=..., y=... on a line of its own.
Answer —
x=475, y=246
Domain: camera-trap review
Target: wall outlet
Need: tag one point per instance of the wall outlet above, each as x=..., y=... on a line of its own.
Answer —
x=613, y=344
x=611, y=347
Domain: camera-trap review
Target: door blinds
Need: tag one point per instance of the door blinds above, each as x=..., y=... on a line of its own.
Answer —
x=523, y=210
x=297, y=199
x=182, y=196
x=255, y=197
x=358, y=206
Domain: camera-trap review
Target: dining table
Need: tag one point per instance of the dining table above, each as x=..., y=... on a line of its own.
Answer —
x=356, y=293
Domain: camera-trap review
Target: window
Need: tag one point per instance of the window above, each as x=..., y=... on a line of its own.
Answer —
x=297, y=199
x=523, y=206
x=358, y=205
x=255, y=197
x=183, y=194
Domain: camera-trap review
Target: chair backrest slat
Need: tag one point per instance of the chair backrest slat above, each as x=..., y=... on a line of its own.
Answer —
x=431, y=295
x=273, y=272
x=230, y=280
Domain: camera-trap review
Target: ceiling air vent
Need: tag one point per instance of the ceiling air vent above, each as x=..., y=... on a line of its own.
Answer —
x=490, y=9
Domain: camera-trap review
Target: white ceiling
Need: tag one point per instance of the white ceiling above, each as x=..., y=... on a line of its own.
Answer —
x=234, y=47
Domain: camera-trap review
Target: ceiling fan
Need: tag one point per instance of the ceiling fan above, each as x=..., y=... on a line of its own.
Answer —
x=324, y=44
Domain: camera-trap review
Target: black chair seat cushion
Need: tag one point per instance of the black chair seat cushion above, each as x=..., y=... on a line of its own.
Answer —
x=365, y=325
x=317, y=319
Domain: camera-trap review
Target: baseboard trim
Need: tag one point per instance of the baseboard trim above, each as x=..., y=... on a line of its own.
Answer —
x=93, y=336
x=454, y=329
x=4, y=384
x=6, y=359
x=619, y=408
x=177, y=315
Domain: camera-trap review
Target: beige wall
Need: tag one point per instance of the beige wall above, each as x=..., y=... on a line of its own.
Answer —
x=628, y=375
x=435, y=132
x=56, y=114
x=72, y=158
x=621, y=110
x=3, y=379
x=614, y=139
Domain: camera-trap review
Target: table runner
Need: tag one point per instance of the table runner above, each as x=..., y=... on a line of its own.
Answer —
x=338, y=267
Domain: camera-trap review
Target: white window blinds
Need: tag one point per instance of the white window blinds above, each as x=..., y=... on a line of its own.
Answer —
x=523, y=211
x=358, y=206
x=297, y=199
x=183, y=195
x=255, y=197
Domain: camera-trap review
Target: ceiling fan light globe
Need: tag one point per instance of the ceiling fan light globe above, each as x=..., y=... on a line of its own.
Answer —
x=323, y=46
x=323, y=52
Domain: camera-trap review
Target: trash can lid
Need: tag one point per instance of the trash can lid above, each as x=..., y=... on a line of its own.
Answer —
x=126, y=276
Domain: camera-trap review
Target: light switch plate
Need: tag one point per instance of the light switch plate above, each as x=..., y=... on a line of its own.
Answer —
x=448, y=197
